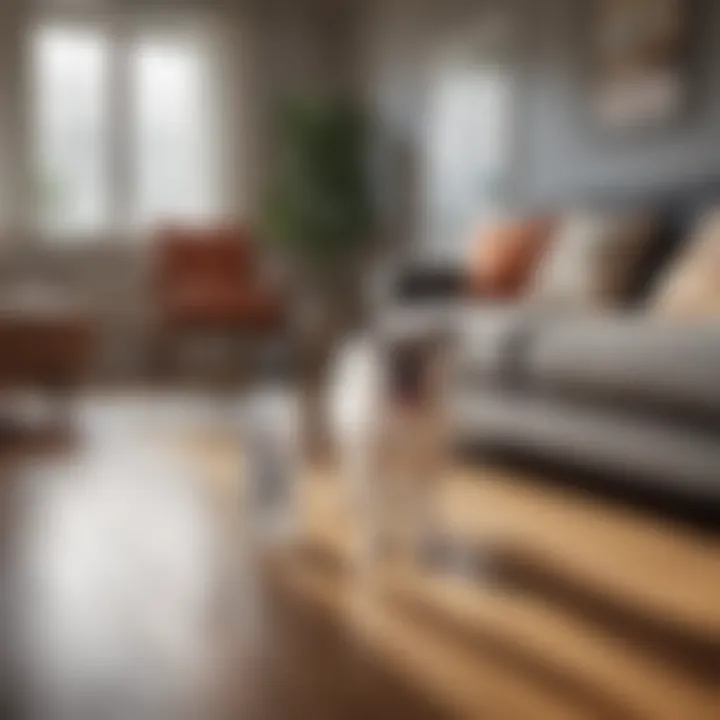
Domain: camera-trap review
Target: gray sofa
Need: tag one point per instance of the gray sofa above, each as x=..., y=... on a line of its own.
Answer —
x=627, y=400
x=620, y=402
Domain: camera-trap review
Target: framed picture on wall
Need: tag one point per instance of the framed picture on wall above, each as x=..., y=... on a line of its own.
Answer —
x=639, y=62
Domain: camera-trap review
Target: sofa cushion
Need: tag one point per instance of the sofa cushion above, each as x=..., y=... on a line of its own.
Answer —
x=630, y=359
x=654, y=456
x=488, y=343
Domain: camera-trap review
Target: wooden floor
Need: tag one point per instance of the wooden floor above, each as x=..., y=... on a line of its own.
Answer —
x=540, y=603
x=571, y=609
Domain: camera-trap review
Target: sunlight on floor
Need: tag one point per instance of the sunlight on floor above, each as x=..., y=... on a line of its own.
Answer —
x=121, y=563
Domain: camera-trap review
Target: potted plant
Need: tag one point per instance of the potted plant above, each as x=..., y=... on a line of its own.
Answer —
x=318, y=216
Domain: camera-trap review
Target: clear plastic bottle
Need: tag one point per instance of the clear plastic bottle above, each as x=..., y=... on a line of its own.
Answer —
x=270, y=440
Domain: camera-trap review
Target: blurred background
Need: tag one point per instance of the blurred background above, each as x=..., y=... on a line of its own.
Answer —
x=351, y=269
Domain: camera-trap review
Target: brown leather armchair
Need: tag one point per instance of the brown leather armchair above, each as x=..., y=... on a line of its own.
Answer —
x=209, y=281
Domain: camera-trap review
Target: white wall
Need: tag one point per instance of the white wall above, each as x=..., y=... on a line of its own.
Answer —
x=560, y=155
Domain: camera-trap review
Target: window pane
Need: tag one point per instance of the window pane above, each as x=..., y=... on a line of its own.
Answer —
x=172, y=132
x=69, y=101
x=468, y=148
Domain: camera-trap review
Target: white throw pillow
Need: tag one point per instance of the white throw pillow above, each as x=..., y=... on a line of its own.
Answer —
x=592, y=261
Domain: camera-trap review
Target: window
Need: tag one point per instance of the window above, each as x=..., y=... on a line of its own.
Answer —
x=469, y=147
x=472, y=141
x=122, y=123
x=172, y=173
x=70, y=78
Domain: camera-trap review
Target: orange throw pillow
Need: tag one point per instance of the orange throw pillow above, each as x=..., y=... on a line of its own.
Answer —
x=505, y=255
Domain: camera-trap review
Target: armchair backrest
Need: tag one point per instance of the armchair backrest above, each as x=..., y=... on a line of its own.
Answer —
x=221, y=256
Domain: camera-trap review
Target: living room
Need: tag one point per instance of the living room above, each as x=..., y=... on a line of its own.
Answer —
x=359, y=359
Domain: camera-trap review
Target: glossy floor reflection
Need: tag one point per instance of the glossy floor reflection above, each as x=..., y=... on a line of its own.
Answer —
x=132, y=591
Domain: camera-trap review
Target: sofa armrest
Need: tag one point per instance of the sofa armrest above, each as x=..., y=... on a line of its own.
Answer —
x=424, y=283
